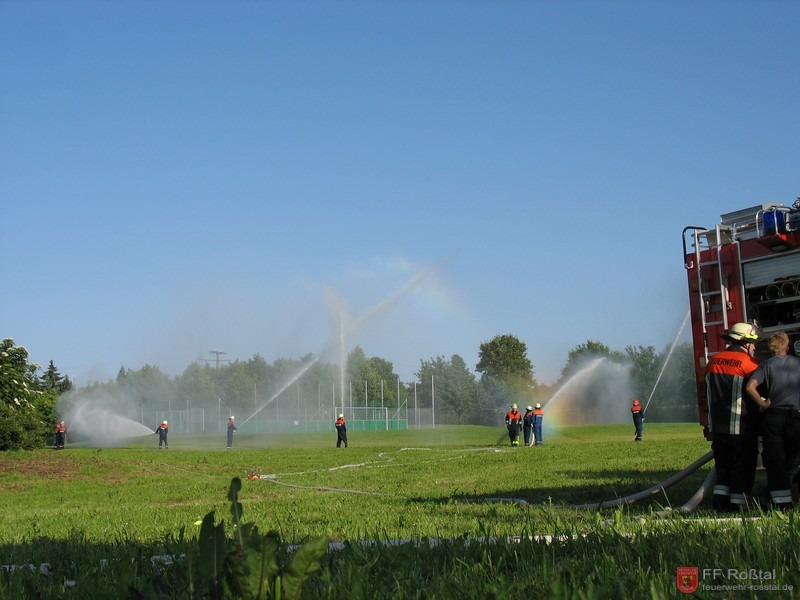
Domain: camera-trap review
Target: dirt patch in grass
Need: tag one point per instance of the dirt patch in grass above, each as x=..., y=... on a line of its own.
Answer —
x=61, y=467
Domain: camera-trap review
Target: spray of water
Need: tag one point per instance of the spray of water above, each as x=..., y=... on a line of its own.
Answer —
x=666, y=360
x=598, y=392
x=98, y=420
x=347, y=327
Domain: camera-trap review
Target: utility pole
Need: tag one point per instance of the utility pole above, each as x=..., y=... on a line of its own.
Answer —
x=217, y=354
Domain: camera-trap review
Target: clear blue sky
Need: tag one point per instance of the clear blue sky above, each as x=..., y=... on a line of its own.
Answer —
x=181, y=177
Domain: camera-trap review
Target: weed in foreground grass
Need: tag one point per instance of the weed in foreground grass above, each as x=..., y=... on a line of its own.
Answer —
x=105, y=533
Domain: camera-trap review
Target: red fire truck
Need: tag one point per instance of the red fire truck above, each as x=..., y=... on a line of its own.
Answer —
x=745, y=269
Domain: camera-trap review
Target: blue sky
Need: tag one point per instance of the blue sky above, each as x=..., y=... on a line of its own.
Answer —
x=181, y=177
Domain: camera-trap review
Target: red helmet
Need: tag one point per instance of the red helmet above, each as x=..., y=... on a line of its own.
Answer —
x=636, y=402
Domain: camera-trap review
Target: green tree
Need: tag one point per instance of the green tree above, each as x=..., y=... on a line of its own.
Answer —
x=506, y=371
x=458, y=394
x=674, y=397
x=645, y=367
x=25, y=409
x=369, y=378
x=582, y=353
x=53, y=381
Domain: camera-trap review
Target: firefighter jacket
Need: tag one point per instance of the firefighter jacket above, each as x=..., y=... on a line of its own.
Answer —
x=527, y=419
x=726, y=376
x=60, y=428
x=340, y=426
x=231, y=426
x=637, y=412
x=162, y=430
x=538, y=415
x=513, y=417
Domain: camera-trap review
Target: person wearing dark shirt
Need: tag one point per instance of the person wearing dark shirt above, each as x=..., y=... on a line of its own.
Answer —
x=637, y=412
x=341, y=431
x=780, y=424
x=513, y=422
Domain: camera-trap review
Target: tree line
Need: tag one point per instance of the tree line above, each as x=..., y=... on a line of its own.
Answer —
x=30, y=398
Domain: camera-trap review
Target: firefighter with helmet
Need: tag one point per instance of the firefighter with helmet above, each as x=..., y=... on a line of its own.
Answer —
x=231, y=429
x=341, y=431
x=162, y=431
x=733, y=417
x=61, y=435
x=527, y=425
x=637, y=412
x=513, y=422
x=538, y=418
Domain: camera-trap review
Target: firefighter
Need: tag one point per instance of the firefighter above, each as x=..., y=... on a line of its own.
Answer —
x=527, y=425
x=637, y=412
x=231, y=429
x=513, y=422
x=733, y=417
x=162, y=431
x=780, y=424
x=341, y=431
x=538, y=417
x=61, y=436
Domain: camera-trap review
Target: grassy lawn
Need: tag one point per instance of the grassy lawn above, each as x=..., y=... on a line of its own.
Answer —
x=82, y=505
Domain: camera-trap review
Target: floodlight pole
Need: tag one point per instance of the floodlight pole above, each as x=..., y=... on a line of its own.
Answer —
x=433, y=405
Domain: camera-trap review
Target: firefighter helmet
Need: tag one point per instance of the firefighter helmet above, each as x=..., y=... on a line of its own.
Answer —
x=635, y=402
x=530, y=408
x=232, y=418
x=741, y=332
x=513, y=406
x=538, y=405
x=164, y=423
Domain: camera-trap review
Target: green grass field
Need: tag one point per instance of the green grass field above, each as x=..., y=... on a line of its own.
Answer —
x=493, y=510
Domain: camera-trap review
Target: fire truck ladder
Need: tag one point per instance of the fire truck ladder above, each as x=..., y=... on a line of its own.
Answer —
x=707, y=239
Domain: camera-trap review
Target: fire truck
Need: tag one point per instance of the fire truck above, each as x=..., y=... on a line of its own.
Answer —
x=744, y=269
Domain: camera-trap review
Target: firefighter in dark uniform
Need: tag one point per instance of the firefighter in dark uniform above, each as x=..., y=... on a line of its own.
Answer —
x=231, y=429
x=162, y=431
x=527, y=425
x=513, y=422
x=733, y=417
x=637, y=413
x=61, y=436
x=341, y=431
x=780, y=424
x=538, y=418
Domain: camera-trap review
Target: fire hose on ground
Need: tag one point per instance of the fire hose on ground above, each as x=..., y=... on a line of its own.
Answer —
x=690, y=505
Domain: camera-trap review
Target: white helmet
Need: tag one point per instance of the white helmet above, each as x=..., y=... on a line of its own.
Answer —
x=513, y=406
x=164, y=423
x=233, y=418
x=741, y=332
x=530, y=408
x=341, y=415
x=538, y=405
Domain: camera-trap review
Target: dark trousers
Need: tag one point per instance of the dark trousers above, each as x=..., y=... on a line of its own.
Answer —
x=341, y=439
x=513, y=433
x=230, y=438
x=527, y=433
x=638, y=423
x=781, y=435
x=735, y=459
x=162, y=439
